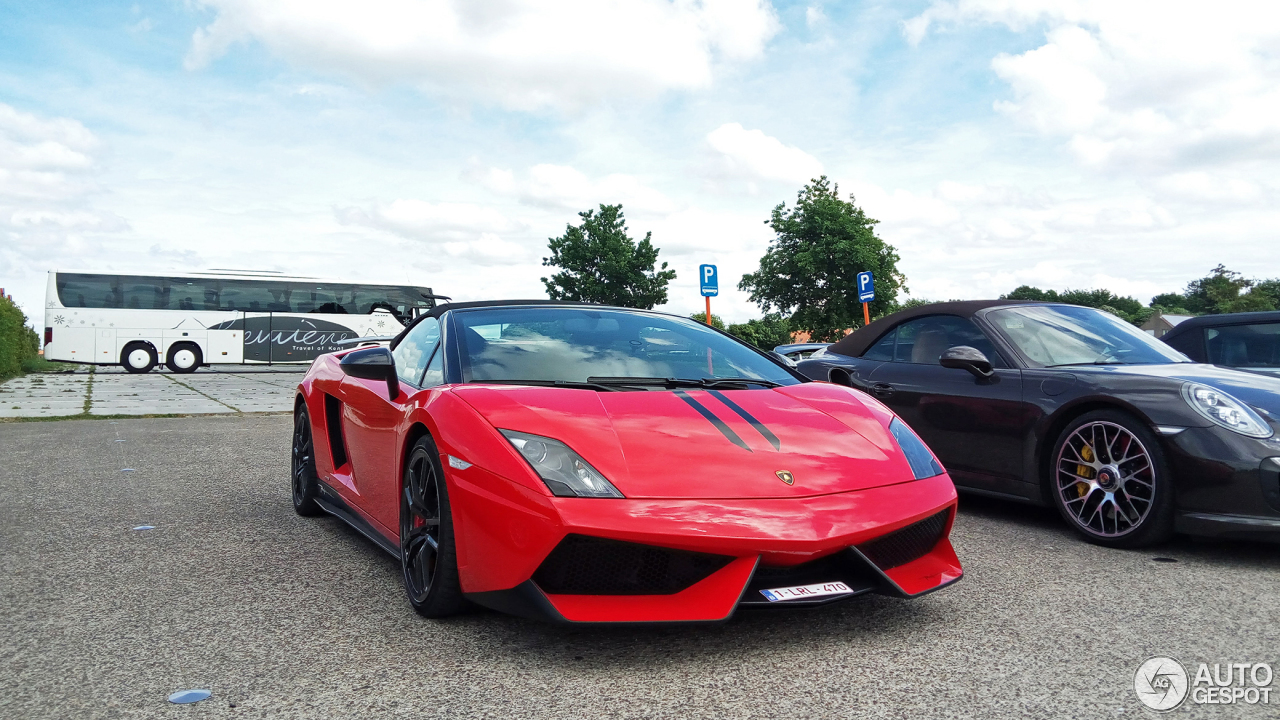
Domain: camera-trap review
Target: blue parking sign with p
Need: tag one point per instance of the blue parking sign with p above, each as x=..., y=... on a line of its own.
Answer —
x=866, y=287
x=709, y=280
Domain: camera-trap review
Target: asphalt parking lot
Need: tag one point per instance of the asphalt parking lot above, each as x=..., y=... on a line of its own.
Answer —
x=283, y=616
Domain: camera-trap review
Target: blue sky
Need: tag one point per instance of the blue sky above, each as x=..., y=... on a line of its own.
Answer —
x=1000, y=142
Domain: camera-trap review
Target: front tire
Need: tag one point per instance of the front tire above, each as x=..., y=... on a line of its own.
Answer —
x=138, y=358
x=428, y=561
x=1109, y=480
x=303, y=467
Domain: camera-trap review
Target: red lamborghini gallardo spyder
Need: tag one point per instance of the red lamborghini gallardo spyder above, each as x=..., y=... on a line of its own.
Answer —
x=589, y=464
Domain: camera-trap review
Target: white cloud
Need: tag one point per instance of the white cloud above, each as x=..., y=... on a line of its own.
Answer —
x=519, y=53
x=814, y=17
x=1139, y=86
x=458, y=230
x=47, y=178
x=566, y=188
x=755, y=155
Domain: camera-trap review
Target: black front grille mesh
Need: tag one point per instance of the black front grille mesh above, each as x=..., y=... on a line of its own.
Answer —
x=583, y=565
x=906, y=544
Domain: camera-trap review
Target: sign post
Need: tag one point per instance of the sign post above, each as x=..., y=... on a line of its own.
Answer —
x=710, y=285
x=866, y=294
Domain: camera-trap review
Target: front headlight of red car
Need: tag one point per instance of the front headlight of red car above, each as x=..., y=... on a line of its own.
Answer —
x=923, y=464
x=563, y=470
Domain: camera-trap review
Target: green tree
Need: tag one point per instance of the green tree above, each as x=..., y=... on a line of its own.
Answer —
x=716, y=322
x=810, y=269
x=1171, y=303
x=765, y=333
x=601, y=263
x=1026, y=292
x=915, y=303
x=1226, y=291
x=1128, y=308
x=1270, y=289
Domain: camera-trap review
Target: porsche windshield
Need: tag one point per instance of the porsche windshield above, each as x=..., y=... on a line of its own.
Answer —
x=586, y=345
x=1057, y=335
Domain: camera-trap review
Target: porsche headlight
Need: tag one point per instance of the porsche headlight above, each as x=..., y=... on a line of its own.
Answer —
x=1222, y=409
x=563, y=470
x=923, y=464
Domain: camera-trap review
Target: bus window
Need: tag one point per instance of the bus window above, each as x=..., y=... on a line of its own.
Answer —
x=246, y=296
x=143, y=293
x=89, y=291
x=138, y=292
x=193, y=294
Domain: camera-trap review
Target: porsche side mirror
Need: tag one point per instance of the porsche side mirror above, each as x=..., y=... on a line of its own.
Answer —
x=375, y=363
x=963, y=357
x=840, y=376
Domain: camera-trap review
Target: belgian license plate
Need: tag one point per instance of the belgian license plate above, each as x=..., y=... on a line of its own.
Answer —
x=804, y=592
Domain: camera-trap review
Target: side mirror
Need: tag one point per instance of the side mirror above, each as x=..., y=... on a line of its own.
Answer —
x=968, y=358
x=373, y=363
x=840, y=376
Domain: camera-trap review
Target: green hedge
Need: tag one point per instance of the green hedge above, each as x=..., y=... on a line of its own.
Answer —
x=18, y=343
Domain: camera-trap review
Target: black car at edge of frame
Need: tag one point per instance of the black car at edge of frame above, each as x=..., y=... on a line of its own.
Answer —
x=1244, y=341
x=1073, y=407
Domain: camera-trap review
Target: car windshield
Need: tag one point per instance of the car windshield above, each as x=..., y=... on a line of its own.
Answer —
x=1056, y=335
x=602, y=346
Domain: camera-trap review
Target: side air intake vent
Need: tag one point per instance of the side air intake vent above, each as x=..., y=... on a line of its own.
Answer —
x=582, y=565
x=906, y=544
x=333, y=424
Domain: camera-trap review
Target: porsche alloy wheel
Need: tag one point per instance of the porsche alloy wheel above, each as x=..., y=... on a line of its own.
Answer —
x=426, y=535
x=303, y=466
x=1109, y=481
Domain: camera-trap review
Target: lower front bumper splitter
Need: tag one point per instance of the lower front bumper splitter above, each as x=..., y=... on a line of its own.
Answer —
x=738, y=585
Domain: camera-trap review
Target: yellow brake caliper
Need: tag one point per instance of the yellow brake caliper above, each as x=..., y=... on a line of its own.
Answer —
x=1086, y=454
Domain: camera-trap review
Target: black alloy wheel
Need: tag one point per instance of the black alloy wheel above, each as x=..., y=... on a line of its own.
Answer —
x=427, y=557
x=1109, y=480
x=304, y=466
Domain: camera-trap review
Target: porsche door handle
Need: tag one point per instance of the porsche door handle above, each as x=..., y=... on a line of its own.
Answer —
x=882, y=390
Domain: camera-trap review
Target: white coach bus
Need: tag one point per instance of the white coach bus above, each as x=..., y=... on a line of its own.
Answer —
x=188, y=320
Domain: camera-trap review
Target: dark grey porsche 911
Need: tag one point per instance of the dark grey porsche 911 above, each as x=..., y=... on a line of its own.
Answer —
x=1071, y=406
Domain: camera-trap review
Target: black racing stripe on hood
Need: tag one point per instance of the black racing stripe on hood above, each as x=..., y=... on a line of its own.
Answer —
x=742, y=413
x=711, y=418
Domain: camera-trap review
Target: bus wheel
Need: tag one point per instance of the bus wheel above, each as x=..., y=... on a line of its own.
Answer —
x=138, y=357
x=184, y=358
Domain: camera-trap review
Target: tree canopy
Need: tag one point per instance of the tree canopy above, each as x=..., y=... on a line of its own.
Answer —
x=1221, y=291
x=765, y=333
x=1128, y=308
x=810, y=269
x=1227, y=291
x=601, y=263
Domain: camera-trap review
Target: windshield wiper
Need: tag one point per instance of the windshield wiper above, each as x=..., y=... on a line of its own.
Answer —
x=575, y=385
x=1095, y=362
x=680, y=382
